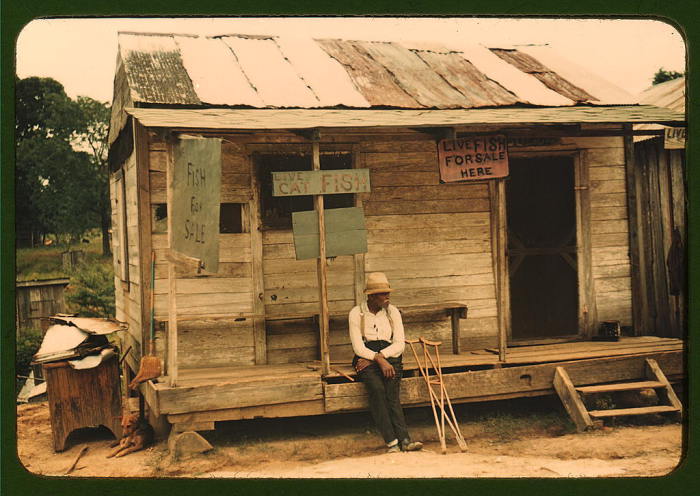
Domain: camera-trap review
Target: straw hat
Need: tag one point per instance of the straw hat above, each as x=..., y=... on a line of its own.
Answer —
x=377, y=283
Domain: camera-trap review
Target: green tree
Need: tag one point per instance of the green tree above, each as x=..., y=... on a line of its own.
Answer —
x=92, y=136
x=61, y=173
x=662, y=75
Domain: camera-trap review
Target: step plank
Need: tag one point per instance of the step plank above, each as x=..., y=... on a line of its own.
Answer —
x=625, y=386
x=632, y=411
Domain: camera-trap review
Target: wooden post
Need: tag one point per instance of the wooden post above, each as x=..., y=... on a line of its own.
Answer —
x=321, y=265
x=502, y=270
x=171, y=364
x=636, y=236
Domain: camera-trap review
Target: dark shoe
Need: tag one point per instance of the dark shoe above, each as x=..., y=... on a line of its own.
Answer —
x=408, y=445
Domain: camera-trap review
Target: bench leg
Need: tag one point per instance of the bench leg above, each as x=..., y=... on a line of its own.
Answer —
x=454, y=317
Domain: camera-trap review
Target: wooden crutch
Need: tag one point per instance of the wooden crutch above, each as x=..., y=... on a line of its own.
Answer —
x=433, y=396
x=458, y=434
x=431, y=393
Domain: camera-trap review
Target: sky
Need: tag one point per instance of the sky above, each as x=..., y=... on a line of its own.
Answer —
x=81, y=53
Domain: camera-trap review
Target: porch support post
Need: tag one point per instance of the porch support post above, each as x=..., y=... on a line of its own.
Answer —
x=321, y=264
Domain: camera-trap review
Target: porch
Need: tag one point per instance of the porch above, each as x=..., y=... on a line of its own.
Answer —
x=203, y=396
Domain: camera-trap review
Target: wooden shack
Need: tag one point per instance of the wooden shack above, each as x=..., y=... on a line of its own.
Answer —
x=37, y=300
x=539, y=259
x=660, y=170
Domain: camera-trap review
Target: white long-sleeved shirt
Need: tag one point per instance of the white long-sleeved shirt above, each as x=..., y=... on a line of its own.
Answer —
x=377, y=327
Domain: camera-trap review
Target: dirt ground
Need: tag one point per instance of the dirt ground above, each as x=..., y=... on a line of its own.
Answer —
x=507, y=439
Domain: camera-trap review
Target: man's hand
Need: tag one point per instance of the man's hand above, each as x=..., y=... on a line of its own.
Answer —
x=362, y=364
x=386, y=368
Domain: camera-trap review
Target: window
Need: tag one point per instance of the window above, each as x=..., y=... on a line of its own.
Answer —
x=230, y=218
x=276, y=211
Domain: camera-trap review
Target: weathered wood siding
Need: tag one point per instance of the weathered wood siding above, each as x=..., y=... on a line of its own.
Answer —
x=127, y=283
x=605, y=159
x=432, y=240
x=205, y=339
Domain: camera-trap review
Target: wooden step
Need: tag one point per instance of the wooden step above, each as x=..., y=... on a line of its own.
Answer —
x=623, y=386
x=632, y=411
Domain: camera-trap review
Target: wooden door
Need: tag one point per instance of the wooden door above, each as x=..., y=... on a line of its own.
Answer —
x=542, y=246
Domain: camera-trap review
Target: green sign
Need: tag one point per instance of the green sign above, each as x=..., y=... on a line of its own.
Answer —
x=320, y=182
x=345, y=232
x=193, y=203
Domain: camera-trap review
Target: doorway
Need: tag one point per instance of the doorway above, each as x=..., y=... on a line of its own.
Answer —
x=542, y=264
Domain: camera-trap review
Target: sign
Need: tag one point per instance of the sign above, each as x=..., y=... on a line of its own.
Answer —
x=674, y=138
x=345, y=232
x=320, y=182
x=473, y=159
x=532, y=141
x=193, y=203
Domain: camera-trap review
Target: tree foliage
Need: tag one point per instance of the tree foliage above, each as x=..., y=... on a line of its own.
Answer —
x=91, y=291
x=61, y=166
x=662, y=75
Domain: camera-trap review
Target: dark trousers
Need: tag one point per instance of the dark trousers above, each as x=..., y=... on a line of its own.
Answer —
x=385, y=400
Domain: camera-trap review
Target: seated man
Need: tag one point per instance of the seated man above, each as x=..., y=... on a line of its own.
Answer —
x=377, y=337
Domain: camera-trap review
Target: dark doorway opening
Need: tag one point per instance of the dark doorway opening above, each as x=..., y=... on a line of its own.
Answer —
x=542, y=265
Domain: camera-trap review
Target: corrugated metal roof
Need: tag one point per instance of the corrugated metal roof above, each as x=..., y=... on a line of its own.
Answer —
x=670, y=95
x=261, y=119
x=281, y=72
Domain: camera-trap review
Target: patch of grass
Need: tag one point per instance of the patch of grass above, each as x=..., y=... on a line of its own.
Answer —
x=45, y=262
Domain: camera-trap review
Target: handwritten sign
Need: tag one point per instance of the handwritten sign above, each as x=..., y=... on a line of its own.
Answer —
x=193, y=204
x=674, y=138
x=322, y=182
x=473, y=159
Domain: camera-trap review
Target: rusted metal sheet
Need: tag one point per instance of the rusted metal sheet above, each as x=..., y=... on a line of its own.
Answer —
x=524, y=86
x=414, y=76
x=478, y=90
x=605, y=92
x=329, y=80
x=260, y=119
x=277, y=82
x=371, y=78
x=215, y=73
x=154, y=70
x=526, y=63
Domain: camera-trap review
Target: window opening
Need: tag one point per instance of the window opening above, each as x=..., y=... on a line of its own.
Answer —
x=276, y=211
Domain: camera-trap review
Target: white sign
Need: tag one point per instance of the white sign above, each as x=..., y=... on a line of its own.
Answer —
x=674, y=138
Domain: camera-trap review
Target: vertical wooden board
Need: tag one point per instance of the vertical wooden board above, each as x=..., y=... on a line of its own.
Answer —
x=256, y=238
x=141, y=148
x=358, y=162
x=635, y=206
x=569, y=397
x=587, y=297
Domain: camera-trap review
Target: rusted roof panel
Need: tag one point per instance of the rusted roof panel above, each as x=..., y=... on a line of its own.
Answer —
x=525, y=87
x=605, y=92
x=154, y=70
x=478, y=90
x=215, y=73
x=412, y=74
x=261, y=119
x=284, y=72
x=370, y=77
x=528, y=64
x=276, y=81
x=329, y=80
